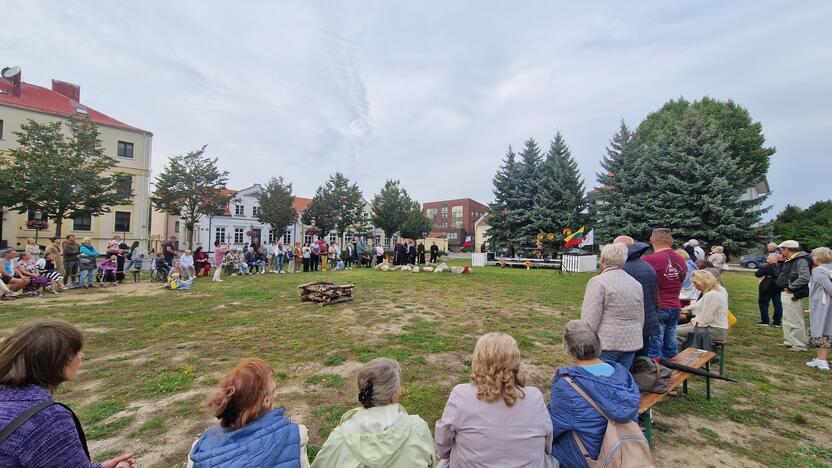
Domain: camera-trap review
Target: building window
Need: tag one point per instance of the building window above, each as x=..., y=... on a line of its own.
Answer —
x=239, y=210
x=431, y=214
x=255, y=210
x=452, y=236
x=122, y=221
x=287, y=237
x=444, y=222
x=272, y=237
x=238, y=235
x=125, y=186
x=82, y=222
x=219, y=234
x=125, y=149
x=1, y=129
x=456, y=214
x=307, y=238
x=176, y=227
x=349, y=238
x=333, y=237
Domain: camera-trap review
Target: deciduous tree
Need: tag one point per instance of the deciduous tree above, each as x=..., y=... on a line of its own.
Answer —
x=276, y=205
x=391, y=207
x=61, y=176
x=191, y=186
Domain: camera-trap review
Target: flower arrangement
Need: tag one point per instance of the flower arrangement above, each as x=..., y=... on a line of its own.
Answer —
x=249, y=233
x=41, y=224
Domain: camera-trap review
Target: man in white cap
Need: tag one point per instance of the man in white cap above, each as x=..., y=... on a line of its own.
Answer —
x=794, y=279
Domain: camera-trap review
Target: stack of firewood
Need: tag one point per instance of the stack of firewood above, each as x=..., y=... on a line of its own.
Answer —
x=325, y=292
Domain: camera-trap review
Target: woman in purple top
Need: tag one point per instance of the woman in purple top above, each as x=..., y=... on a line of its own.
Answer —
x=34, y=360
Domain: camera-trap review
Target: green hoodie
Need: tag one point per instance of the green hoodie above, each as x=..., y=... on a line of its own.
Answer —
x=382, y=437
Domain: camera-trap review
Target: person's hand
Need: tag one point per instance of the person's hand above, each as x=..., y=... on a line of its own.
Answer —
x=123, y=461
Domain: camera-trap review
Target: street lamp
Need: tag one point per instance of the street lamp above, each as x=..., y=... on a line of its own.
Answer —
x=38, y=215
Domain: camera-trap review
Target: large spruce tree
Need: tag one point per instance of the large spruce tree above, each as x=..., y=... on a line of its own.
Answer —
x=525, y=194
x=605, y=217
x=559, y=190
x=505, y=209
x=685, y=179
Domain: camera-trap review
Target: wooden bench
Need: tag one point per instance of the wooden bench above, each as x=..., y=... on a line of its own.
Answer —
x=691, y=357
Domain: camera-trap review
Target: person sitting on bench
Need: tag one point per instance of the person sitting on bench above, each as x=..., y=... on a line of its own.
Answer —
x=710, y=311
x=608, y=383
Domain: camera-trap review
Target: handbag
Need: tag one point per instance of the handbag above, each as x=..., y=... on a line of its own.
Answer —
x=699, y=338
x=650, y=376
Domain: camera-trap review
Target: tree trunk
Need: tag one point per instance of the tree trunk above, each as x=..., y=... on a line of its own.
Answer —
x=190, y=228
x=59, y=222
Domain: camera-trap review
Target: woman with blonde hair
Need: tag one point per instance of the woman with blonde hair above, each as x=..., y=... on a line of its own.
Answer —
x=379, y=434
x=710, y=311
x=717, y=257
x=250, y=433
x=820, y=307
x=496, y=420
x=32, y=248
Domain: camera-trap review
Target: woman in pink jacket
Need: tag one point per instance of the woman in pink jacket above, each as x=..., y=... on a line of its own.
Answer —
x=495, y=421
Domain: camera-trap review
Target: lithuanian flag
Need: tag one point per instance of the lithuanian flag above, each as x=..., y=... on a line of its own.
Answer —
x=575, y=238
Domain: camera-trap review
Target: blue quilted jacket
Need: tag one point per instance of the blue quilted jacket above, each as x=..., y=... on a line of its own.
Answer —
x=617, y=395
x=270, y=441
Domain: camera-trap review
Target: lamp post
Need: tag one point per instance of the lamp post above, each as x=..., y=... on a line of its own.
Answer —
x=38, y=216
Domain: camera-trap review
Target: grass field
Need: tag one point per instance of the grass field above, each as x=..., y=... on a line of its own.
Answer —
x=155, y=355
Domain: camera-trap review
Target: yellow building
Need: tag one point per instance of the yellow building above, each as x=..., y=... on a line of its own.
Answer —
x=130, y=146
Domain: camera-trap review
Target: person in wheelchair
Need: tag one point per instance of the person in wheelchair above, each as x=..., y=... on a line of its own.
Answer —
x=160, y=265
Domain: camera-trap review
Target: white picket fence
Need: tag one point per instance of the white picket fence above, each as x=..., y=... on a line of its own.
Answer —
x=580, y=263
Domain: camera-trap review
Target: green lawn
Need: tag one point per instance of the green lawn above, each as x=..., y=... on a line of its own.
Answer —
x=154, y=356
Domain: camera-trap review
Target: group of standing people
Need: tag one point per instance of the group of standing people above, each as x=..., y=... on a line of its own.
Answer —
x=408, y=252
x=789, y=276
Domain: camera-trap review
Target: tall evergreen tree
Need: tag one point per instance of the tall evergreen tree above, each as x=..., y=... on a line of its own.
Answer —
x=504, y=209
x=605, y=216
x=685, y=180
x=525, y=194
x=559, y=194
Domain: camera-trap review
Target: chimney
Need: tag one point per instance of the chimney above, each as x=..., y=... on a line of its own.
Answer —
x=69, y=90
x=16, y=85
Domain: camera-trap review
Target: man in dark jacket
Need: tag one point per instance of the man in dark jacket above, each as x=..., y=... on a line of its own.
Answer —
x=434, y=252
x=769, y=291
x=642, y=272
x=411, y=253
x=794, y=281
x=71, y=249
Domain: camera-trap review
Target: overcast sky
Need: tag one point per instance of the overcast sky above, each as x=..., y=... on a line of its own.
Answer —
x=431, y=93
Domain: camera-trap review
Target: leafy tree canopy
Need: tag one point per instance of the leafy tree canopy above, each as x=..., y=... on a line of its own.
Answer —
x=391, y=207
x=276, y=205
x=337, y=205
x=811, y=227
x=61, y=176
x=191, y=186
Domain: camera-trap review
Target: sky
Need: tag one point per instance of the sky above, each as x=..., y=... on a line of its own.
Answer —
x=431, y=93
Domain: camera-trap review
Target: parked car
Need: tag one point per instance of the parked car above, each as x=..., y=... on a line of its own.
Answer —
x=752, y=262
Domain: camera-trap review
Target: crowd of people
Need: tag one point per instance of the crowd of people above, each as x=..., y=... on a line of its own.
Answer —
x=646, y=300
x=65, y=264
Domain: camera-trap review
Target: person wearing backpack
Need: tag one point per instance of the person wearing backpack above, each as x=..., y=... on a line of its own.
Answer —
x=581, y=430
x=820, y=307
x=793, y=280
x=35, y=430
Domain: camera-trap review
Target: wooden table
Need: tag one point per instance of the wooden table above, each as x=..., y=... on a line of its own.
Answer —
x=691, y=357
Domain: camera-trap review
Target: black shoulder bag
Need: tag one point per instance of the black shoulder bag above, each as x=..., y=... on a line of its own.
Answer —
x=15, y=423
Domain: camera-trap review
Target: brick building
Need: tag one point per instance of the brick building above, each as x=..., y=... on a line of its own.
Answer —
x=453, y=219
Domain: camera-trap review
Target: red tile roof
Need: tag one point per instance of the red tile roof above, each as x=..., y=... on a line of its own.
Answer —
x=227, y=192
x=44, y=100
x=301, y=204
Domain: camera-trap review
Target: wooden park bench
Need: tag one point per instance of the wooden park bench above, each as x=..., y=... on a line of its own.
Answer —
x=691, y=357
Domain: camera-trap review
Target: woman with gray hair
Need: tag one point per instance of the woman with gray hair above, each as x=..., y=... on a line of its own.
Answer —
x=820, y=307
x=614, y=307
x=610, y=385
x=380, y=433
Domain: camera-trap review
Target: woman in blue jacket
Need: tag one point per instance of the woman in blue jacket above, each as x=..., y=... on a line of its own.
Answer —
x=610, y=385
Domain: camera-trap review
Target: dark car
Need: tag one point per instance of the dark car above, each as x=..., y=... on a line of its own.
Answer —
x=752, y=262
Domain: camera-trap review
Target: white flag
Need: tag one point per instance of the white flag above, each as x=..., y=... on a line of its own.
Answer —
x=589, y=239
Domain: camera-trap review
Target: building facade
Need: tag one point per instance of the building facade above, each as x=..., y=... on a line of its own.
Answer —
x=453, y=219
x=130, y=146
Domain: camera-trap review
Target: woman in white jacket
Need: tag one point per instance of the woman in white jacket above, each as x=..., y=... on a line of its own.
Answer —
x=710, y=311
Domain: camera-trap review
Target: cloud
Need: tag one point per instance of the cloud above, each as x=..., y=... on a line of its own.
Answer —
x=431, y=93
